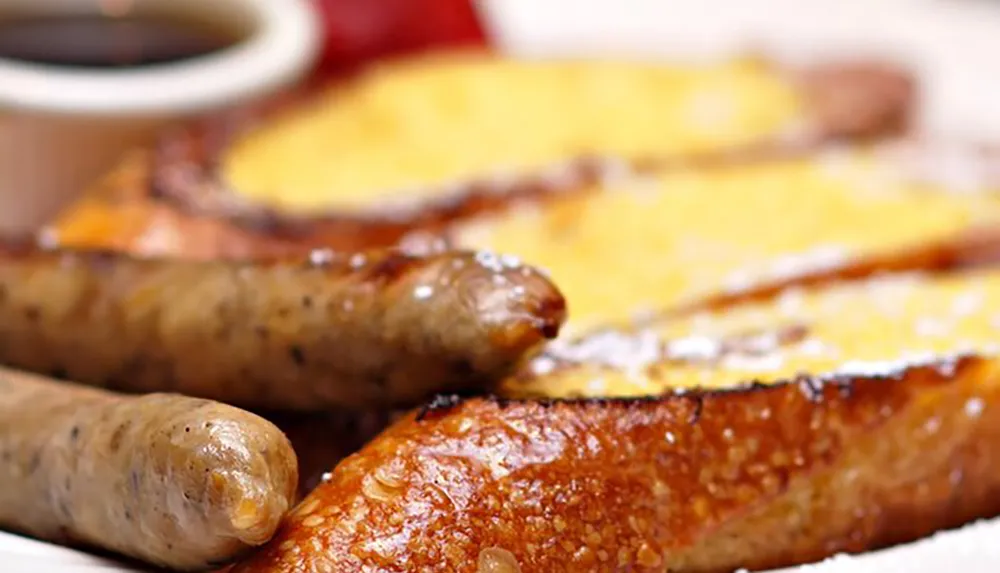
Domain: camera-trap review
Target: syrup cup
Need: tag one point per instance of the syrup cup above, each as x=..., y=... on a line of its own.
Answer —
x=61, y=127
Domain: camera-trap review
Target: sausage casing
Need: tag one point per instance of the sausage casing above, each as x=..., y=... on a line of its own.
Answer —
x=377, y=329
x=179, y=482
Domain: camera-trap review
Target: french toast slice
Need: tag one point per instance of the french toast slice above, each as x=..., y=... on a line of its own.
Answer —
x=836, y=418
x=424, y=141
x=421, y=124
x=673, y=236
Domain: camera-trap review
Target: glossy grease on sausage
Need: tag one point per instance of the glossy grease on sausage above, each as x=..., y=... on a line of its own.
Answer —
x=366, y=330
x=179, y=482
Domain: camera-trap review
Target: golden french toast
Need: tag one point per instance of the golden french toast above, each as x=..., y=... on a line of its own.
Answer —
x=839, y=417
x=418, y=125
x=422, y=142
x=775, y=401
x=634, y=245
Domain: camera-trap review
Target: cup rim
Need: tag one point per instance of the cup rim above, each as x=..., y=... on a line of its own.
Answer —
x=281, y=47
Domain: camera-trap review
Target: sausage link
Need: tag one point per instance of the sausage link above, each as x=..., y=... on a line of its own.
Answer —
x=367, y=330
x=179, y=482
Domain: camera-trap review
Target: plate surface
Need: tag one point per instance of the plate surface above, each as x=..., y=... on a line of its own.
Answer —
x=972, y=549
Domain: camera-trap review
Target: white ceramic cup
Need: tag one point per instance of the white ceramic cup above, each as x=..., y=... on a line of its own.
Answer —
x=60, y=128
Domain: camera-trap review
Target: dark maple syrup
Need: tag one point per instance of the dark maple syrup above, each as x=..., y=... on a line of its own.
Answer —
x=96, y=41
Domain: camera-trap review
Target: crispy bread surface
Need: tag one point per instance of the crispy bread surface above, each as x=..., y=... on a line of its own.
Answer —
x=422, y=142
x=839, y=419
x=678, y=235
x=414, y=126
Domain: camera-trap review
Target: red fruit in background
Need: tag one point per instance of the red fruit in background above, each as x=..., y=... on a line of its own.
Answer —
x=361, y=30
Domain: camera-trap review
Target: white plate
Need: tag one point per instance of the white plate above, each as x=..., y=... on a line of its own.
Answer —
x=19, y=554
x=953, y=45
x=972, y=549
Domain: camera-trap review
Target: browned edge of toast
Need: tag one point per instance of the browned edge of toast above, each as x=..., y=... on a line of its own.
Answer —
x=707, y=481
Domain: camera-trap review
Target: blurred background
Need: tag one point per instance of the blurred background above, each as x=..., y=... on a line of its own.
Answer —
x=64, y=123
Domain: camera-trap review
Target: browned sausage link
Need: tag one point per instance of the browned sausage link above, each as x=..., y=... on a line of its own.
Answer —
x=179, y=482
x=374, y=329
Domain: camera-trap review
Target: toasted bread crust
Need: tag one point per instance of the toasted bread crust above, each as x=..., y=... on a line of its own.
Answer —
x=975, y=247
x=176, y=202
x=751, y=477
x=857, y=100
